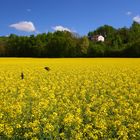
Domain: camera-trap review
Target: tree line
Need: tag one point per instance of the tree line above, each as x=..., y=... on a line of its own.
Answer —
x=122, y=42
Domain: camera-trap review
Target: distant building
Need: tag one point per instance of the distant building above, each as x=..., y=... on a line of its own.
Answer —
x=97, y=38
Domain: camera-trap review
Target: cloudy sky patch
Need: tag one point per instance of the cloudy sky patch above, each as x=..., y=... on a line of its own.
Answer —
x=129, y=13
x=26, y=26
x=137, y=18
x=61, y=28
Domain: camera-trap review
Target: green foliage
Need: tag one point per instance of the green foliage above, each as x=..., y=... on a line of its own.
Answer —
x=133, y=50
x=3, y=42
x=105, y=30
x=122, y=42
x=82, y=47
x=97, y=49
x=61, y=44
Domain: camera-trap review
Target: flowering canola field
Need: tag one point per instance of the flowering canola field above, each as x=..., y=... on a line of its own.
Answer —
x=78, y=99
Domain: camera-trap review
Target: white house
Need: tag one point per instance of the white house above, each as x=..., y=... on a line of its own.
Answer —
x=101, y=38
x=98, y=38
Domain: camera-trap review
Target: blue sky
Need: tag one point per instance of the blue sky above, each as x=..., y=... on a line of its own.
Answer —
x=25, y=17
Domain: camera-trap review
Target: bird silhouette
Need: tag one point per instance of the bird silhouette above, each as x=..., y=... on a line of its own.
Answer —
x=22, y=76
x=47, y=68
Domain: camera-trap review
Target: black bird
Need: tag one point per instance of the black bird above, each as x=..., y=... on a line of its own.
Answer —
x=22, y=76
x=47, y=68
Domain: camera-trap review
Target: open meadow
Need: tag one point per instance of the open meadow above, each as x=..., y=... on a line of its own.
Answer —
x=77, y=99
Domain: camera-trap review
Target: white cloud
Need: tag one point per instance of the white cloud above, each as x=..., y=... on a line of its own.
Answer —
x=7, y=35
x=26, y=26
x=129, y=13
x=28, y=10
x=61, y=28
x=137, y=18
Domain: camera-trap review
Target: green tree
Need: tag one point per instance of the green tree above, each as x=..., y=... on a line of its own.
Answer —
x=97, y=49
x=132, y=50
x=82, y=47
x=134, y=32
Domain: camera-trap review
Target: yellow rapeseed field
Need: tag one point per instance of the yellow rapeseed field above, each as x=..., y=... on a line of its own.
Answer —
x=77, y=99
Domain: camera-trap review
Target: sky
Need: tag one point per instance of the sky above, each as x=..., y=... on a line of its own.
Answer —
x=26, y=17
